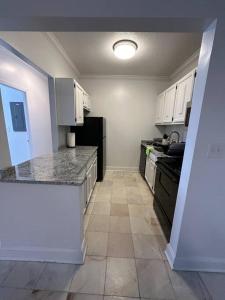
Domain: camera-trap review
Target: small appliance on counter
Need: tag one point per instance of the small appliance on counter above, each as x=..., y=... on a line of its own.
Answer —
x=70, y=140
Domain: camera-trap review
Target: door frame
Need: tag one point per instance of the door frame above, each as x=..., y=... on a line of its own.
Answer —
x=14, y=86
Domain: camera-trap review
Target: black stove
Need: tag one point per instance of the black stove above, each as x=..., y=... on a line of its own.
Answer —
x=173, y=164
x=166, y=187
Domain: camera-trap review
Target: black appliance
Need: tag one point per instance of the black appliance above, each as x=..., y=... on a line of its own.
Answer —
x=93, y=133
x=166, y=187
x=176, y=149
x=142, y=162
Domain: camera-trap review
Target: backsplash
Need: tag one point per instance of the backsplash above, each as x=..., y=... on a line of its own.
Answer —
x=180, y=128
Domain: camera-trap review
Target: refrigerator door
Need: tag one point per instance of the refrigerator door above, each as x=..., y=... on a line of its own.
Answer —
x=93, y=133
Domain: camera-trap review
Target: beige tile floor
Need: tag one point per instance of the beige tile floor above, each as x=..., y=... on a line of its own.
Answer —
x=125, y=256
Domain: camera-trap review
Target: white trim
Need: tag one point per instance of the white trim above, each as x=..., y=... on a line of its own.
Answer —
x=208, y=264
x=73, y=256
x=128, y=169
x=170, y=255
x=23, y=89
x=131, y=77
x=51, y=36
x=185, y=64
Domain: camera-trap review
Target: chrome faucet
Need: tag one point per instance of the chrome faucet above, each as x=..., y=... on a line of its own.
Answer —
x=172, y=140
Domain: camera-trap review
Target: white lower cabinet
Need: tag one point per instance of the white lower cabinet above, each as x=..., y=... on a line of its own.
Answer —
x=91, y=177
x=150, y=170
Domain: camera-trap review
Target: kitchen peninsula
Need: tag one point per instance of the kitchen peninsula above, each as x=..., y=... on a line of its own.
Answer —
x=42, y=204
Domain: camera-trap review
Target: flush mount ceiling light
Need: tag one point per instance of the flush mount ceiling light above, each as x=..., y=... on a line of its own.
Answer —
x=125, y=49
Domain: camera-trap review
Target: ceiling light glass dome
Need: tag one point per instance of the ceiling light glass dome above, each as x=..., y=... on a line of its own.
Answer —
x=125, y=49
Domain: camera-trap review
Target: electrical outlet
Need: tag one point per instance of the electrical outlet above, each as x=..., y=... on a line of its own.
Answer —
x=216, y=151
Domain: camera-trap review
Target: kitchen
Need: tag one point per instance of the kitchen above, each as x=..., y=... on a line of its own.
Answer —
x=114, y=97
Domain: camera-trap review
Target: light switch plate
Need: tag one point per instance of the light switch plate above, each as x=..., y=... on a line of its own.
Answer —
x=216, y=151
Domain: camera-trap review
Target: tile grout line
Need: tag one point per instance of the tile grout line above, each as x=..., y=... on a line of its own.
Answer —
x=205, y=286
x=42, y=272
x=167, y=272
x=7, y=275
x=106, y=268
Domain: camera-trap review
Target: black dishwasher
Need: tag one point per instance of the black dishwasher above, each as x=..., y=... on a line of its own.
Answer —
x=142, y=161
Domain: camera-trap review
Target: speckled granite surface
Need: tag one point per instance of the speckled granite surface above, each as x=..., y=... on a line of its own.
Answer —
x=67, y=167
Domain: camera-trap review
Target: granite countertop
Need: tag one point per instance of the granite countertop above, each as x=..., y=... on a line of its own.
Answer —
x=67, y=167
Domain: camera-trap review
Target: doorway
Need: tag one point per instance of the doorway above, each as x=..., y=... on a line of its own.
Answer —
x=16, y=123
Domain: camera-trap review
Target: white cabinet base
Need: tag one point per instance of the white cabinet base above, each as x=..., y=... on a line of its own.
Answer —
x=41, y=222
x=91, y=178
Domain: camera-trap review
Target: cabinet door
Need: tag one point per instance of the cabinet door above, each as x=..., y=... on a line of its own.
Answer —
x=169, y=104
x=87, y=105
x=88, y=102
x=89, y=185
x=183, y=95
x=160, y=108
x=94, y=172
x=147, y=169
x=79, y=106
x=150, y=173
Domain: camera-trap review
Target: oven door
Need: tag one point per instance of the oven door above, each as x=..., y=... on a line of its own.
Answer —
x=166, y=187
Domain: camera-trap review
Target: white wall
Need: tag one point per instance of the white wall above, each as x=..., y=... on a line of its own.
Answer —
x=198, y=240
x=14, y=72
x=40, y=49
x=44, y=51
x=129, y=108
x=187, y=66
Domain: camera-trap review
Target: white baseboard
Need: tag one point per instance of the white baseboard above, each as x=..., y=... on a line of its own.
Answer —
x=127, y=169
x=170, y=255
x=73, y=256
x=209, y=264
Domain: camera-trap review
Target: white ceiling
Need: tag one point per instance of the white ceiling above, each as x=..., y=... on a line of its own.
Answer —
x=159, y=54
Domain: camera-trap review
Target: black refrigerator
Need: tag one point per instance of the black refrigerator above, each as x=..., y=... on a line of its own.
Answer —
x=93, y=133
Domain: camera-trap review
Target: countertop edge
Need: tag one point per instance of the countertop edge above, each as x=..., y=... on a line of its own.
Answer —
x=77, y=182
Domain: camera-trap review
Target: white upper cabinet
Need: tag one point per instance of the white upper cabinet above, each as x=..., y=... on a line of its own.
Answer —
x=170, y=94
x=87, y=102
x=160, y=108
x=70, y=98
x=172, y=103
x=79, y=105
x=183, y=95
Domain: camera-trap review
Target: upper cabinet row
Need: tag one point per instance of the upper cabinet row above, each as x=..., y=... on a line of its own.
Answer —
x=172, y=103
x=71, y=100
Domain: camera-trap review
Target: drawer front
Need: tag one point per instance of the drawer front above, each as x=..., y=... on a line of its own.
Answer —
x=91, y=161
x=166, y=193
